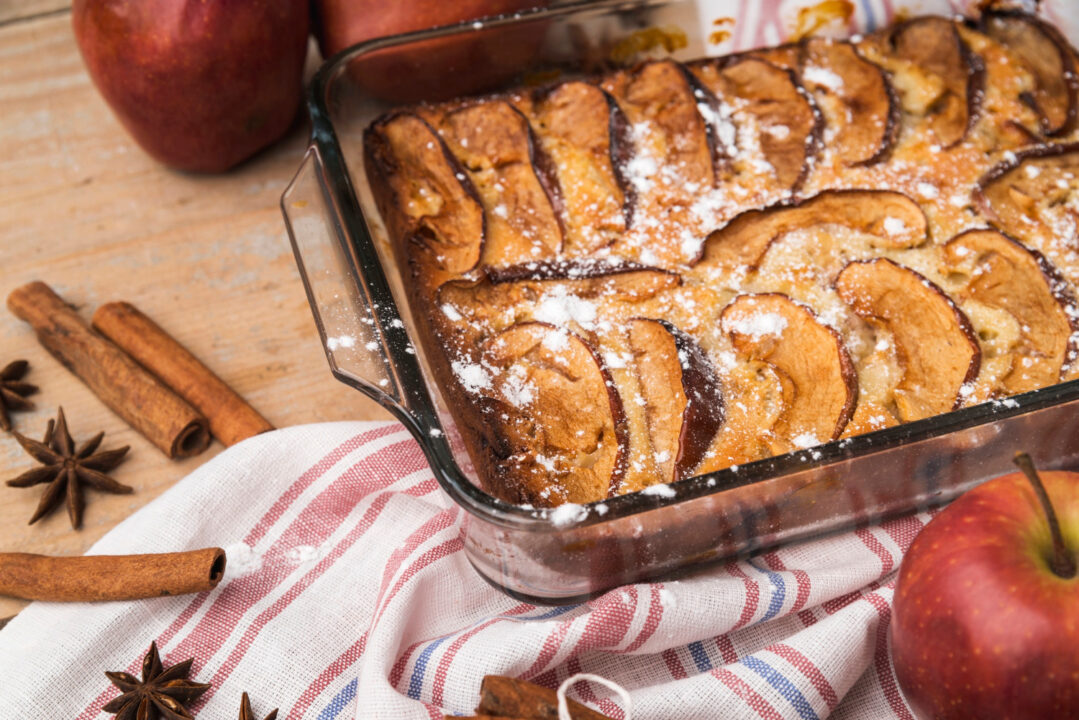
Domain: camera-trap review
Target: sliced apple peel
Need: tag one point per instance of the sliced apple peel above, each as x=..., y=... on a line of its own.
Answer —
x=659, y=98
x=936, y=346
x=788, y=124
x=856, y=97
x=580, y=287
x=1028, y=193
x=820, y=386
x=437, y=206
x=1006, y=275
x=558, y=434
x=1048, y=56
x=683, y=397
x=494, y=142
x=892, y=218
x=585, y=133
x=939, y=76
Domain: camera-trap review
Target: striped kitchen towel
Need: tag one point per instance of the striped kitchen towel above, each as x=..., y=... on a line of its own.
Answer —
x=347, y=595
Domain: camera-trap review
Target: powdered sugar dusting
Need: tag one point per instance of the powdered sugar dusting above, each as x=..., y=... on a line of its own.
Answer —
x=823, y=77
x=894, y=226
x=659, y=490
x=473, y=377
x=451, y=313
x=559, y=307
x=567, y=514
x=757, y=324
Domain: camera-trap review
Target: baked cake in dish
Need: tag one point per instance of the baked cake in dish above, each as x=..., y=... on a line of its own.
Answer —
x=626, y=280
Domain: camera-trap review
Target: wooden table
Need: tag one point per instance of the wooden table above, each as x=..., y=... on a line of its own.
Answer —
x=82, y=208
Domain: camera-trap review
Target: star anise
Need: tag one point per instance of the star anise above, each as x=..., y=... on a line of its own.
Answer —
x=65, y=468
x=161, y=694
x=246, y=713
x=13, y=392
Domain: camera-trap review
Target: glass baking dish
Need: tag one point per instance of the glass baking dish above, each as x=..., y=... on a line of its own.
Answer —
x=565, y=555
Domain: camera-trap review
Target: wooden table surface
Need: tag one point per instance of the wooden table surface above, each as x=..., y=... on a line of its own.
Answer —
x=82, y=208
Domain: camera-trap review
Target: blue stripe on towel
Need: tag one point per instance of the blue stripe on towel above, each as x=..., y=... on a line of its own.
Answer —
x=782, y=685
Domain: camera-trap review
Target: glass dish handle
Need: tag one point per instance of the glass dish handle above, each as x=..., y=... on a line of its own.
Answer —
x=351, y=333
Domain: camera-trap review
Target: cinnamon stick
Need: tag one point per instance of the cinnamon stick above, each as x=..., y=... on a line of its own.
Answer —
x=134, y=394
x=93, y=578
x=512, y=698
x=231, y=418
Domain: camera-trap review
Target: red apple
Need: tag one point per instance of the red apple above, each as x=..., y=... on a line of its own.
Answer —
x=199, y=84
x=986, y=616
x=434, y=69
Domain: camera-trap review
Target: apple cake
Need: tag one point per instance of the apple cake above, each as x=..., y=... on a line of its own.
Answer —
x=674, y=268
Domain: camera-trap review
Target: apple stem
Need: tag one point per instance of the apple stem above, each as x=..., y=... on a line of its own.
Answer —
x=1063, y=561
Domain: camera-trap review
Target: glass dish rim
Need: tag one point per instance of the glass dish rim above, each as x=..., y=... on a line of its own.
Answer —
x=418, y=411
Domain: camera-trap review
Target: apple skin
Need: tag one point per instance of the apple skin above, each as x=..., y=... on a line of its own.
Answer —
x=982, y=627
x=434, y=69
x=200, y=85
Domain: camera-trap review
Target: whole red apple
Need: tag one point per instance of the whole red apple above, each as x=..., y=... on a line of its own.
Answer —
x=986, y=616
x=434, y=69
x=199, y=84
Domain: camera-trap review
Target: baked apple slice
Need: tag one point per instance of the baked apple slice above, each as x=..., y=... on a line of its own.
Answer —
x=1025, y=193
x=820, y=386
x=559, y=291
x=892, y=218
x=1004, y=274
x=941, y=78
x=754, y=395
x=674, y=147
x=935, y=344
x=1048, y=56
x=857, y=100
x=556, y=433
x=420, y=186
x=788, y=124
x=683, y=397
x=494, y=143
x=584, y=132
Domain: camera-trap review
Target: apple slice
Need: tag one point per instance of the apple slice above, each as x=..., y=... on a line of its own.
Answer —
x=820, y=386
x=423, y=193
x=494, y=143
x=566, y=291
x=670, y=133
x=755, y=401
x=557, y=433
x=683, y=397
x=788, y=124
x=892, y=218
x=1048, y=56
x=1004, y=274
x=934, y=341
x=856, y=98
x=585, y=133
x=1023, y=192
x=942, y=79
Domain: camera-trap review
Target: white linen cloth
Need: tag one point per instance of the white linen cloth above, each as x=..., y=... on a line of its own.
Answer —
x=348, y=595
